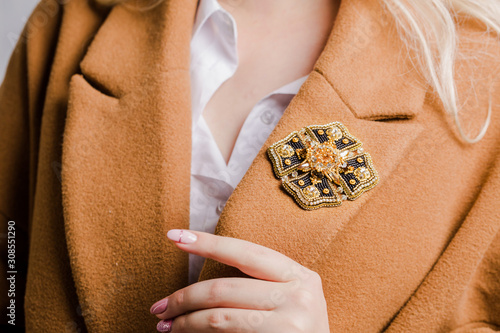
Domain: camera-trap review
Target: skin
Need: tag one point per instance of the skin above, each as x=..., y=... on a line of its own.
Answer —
x=283, y=297
x=278, y=42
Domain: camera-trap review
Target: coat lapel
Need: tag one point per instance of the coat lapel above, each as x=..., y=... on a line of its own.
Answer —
x=126, y=164
x=361, y=79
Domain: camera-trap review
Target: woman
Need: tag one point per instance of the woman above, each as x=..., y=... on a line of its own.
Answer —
x=98, y=128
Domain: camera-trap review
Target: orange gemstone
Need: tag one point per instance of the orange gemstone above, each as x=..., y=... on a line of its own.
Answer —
x=323, y=156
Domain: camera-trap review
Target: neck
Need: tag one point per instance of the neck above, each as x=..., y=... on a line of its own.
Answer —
x=269, y=24
x=265, y=9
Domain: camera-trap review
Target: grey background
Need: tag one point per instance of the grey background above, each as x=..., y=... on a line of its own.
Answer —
x=13, y=17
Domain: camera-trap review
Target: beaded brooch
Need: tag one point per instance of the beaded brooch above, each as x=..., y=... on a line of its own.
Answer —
x=322, y=165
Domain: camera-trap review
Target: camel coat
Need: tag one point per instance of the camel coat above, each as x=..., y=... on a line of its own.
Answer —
x=95, y=150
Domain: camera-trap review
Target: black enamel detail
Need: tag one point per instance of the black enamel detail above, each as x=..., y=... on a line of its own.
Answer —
x=321, y=186
x=294, y=159
x=307, y=182
x=340, y=145
x=321, y=138
x=296, y=145
x=354, y=162
x=347, y=177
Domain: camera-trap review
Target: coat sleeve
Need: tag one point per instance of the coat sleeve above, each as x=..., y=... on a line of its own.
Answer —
x=479, y=308
x=21, y=104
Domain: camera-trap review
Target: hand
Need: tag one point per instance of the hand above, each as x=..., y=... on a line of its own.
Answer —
x=284, y=297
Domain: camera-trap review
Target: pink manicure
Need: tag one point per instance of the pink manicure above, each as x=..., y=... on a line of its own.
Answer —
x=181, y=236
x=165, y=325
x=159, y=306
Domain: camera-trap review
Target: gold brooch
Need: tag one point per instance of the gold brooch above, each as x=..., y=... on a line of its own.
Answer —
x=322, y=165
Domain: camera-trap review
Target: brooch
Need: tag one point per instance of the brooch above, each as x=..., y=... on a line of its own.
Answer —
x=322, y=165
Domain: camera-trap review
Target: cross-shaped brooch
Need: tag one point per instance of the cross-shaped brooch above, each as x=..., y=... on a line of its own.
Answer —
x=322, y=165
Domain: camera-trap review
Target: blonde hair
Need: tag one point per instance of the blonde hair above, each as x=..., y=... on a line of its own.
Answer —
x=428, y=27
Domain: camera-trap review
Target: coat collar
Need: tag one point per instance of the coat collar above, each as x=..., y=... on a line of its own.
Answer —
x=366, y=63
x=127, y=150
x=363, y=50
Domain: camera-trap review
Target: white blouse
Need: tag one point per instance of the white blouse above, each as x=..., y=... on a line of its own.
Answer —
x=214, y=59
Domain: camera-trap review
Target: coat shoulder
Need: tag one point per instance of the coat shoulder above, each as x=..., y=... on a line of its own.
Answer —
x=53, y=21
x=477, y=79
x=477, y=70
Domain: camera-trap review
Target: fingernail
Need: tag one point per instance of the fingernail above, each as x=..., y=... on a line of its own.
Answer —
x=159, y=306
x=164, y=326
x=181, y=236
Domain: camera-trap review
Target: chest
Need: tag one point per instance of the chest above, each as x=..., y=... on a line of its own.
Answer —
x=241, y=63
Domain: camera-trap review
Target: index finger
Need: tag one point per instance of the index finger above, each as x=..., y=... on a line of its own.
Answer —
x=252, y=259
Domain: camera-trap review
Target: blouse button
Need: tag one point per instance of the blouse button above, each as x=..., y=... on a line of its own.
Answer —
x=267, y=117
x=220, y=207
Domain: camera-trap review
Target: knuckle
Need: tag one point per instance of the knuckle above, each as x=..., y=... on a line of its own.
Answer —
x=315, y=280
x=178, y=298
x=303, y=298
x=180, y=324
x=217, y=320
x=216, y=290
x=311, y=280
x=297, y=324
